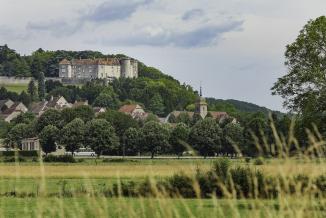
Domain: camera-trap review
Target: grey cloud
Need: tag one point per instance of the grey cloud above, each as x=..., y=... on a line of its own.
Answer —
x=189, y=15
x=199, y=37
x=57, y=28
x=111, y=11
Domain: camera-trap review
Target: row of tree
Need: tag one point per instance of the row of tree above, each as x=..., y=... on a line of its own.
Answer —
x=76, y=127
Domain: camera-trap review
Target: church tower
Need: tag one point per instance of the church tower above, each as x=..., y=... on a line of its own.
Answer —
x=201, y=105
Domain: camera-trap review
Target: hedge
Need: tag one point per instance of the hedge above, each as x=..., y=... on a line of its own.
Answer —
x=19, y=153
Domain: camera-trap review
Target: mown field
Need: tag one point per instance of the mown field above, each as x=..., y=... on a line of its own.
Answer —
x=18, y=88
x=32, y=189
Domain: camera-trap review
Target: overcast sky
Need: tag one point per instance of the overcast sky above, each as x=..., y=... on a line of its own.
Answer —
x=235, y=48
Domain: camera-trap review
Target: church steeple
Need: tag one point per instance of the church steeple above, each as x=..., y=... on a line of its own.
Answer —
x=201, y=105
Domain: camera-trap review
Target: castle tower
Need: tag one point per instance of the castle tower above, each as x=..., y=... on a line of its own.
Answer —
x=201, y=105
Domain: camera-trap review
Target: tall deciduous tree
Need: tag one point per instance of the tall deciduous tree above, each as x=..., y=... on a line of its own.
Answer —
x=48, y=138
x=41, y=86
x=232, y=138
x=206, y=136
x=155, y=137
x=132, y=141
x=101, y=136
x=72, y=135
x=32, y=90
x=305, y=60
x=179, y=138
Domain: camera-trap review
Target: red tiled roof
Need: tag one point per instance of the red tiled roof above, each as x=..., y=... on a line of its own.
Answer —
x=128, y=108
x=99, y=61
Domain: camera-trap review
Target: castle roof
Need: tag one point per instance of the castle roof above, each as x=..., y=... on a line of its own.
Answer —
x=99, y=61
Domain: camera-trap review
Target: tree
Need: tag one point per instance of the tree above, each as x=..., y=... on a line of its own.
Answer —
x=184, y=118
x=48, y=138
x=156, y=105
x=107, y=98
x=232, y=138
x=25, y=98
x=101, y=136
x=206, y=136
x=41, y=86
x=155, y=137
x=26, y=118
x=50, y=117
x=72, y=135
x=132, y=141
x=84, y=112
x=16, y=134
x=179, y=138
x=196, y=118
x=120, y=121
x=305, y=60
x=32, y=90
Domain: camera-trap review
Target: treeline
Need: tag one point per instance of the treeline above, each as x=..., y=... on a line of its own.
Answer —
x=115, y=133
x=13, y=64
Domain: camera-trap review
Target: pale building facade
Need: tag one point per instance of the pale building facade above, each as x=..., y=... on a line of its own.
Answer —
x=30, y=144
x=108, y=68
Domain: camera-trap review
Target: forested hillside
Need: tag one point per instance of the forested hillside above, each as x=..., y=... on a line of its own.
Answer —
x=156, y=91
x=233, y=106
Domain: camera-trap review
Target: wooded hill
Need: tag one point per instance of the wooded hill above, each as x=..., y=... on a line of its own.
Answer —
x=156, y=91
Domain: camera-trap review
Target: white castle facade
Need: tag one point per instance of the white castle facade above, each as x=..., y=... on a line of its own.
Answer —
x=108, y=68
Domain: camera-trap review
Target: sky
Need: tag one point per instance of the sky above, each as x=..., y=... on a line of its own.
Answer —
x=234, y=48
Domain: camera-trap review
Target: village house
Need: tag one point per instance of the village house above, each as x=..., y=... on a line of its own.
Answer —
x=59, y=103
x=99, y=110
x=10, y=110
x=30, y=144
x=134, y=110
x=79, y=103
x=5, y=104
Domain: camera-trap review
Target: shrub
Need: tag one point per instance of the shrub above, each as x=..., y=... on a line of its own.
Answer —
x=13, y=159
x=247, y=159
x=259, y=161
x=60, y=158
x=180, y=185
x=19, y=153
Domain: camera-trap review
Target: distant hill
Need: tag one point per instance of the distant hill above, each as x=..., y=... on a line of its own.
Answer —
x=234, y=106
x=160, y=93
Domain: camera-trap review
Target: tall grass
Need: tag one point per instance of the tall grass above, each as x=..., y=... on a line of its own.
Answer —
x=291, y=185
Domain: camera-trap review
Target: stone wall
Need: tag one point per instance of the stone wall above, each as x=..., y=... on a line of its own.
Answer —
x=14, y=80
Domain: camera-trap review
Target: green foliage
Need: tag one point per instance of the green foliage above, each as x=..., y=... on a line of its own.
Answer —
x=84, y=112
x=101, y=136
x=179, y=138
x=156, y=105
x=16, y=134
x=41, y=86
x=232, y=138
x=107, y=98
x=32, y=90
x=132, y=141
x=48, y=137
x=19, y=153
x=155, y=137
x=60, y=158
x=120, y=121
x=206, y=136
x=50, y=117
x=26, y=118
x=72, y=135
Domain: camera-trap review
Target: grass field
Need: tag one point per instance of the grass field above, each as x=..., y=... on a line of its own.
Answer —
x=22, y=186
x=134, y=207
x=18, y=88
